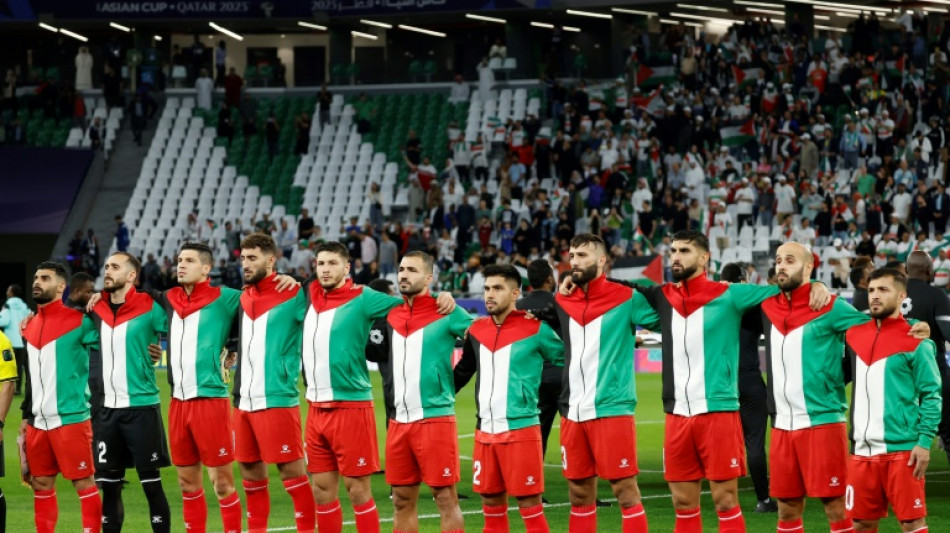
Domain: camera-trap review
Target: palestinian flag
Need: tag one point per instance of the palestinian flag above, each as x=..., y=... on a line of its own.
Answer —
x=652, y=103
x=644, y=270
x=657, y=75
x=738, y=134
x=745, y=76
x=544, y=136
x=895, y=68
x=942, y=245
x=818, y=78
x=769, y=100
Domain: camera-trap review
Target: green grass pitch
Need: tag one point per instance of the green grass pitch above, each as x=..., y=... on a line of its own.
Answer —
x=655, y=492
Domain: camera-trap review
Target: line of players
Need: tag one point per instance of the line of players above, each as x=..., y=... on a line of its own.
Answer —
x=895, y=403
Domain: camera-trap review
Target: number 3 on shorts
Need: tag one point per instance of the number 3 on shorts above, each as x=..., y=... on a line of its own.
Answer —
x=102, y=452
x=563, y=458
x=476, y=471
x=849, y=497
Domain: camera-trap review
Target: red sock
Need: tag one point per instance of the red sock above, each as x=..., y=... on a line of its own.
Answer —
x=231, y=513
x=634, y=519
x=367, y=517
x=496, y=518
x=45, y=510
x=583, y=519
x=258, y=505
x=688, y=521
x=534, y=521
x=330, y=517
x=300, y=493
x=91, y=508
x=195, y=510
x=792, y=526
x=844, y=526
x=731, y=521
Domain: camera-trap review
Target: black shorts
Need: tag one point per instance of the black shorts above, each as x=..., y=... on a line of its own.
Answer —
x=128, y=438
x=3, y=470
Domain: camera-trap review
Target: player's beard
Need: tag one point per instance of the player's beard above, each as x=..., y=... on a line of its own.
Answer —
x=332, y=284
x=497, y=310
x=685, y=273
x=792, y=281
x=116, y=286
x=583, y=276
x=256, y=276
x=412, y=289
x=884, y=312
x=45, y=297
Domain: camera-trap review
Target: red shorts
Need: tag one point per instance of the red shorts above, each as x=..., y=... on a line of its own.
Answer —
x=423, y=451
x=809, y=462
x=66, y=449
x=270, y=435
x=199, y=431
x=873, y=482
x=509, y=462
x=605, y=447
x=342, y=439
x=703, y=446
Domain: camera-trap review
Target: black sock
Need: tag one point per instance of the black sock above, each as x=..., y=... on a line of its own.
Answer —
x=113, y=512
x=157, y=502
x=3, y=512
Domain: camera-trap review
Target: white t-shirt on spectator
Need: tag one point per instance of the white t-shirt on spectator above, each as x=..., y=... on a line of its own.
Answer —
x=901, y=203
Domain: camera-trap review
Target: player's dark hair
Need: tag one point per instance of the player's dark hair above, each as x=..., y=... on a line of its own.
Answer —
x=79, y=279
x=260, y=240
x=694, y=237
x=589, y=238
x=508, y=272
x=857, y=275
x=58, y=268
x=426, y=259
x=893, y=264
x=538, y=272
x=732, y=273
x=133, y=261
x=205, y=255
x=900, y=280
x=381, y=285
x=333, y=247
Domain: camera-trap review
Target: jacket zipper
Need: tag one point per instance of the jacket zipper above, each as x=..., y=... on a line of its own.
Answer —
x=316, y=331
x=115, y=395
x=867, y=388
x=580, y=365
x=250, y=362
x=491, y=395
x=791, y=416
x=181, y=353
x=39, y=362
x=689, y=365
x=405, y=354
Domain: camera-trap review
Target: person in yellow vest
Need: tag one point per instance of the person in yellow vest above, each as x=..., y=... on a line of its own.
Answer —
x=8, y=377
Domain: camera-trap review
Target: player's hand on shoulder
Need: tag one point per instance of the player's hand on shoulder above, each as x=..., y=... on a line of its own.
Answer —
x=819, y=296
x=26, y=321
x=567, y=285
x=93, y=300
x=445, y=303
x=920, y=331
x=285, y=282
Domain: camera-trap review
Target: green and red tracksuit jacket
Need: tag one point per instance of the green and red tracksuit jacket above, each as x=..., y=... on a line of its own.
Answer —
x=268, y=366
x=128, y=373
x=599, y=331
x=509, y=358
x=895, y=398
x=200, y=324
x=805, y=352
x=700, y=333
x=335, y=331
x=421, y=349
x=58, y=340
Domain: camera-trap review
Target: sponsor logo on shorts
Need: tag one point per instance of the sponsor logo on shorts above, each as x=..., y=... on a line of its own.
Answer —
x=361, y=461
x=155, y=458
x=447, y=472
x=83, y=465
x=918, y=504
x=222, y=452
x=157, y=519
x=298, y=514
x=530, y=481
x=834, y=482
x=734, y=463
x=285, y=448
x=624, y=463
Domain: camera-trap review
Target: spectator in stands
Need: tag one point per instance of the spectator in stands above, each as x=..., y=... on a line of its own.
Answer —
x=198, y=54
x=460, y=91
x=302, y=127
x=83, y=69
x=368, y=248
x=498, y=49
x=272, y=135
x=248, y=117
x=324, y=100
x=265, y=225
x=388, y=254
x=286, y=238
x=413, y=150
x=301, y=261
x=121, y=234
x=365, y=112
x=225, y=123
x=90, y=253
x=204, y=87
x=8, y=97
x=232, y=88
x=139, y=117
x=220, y=58
x=151, y=274
x=486, y=80
x=95, y=133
